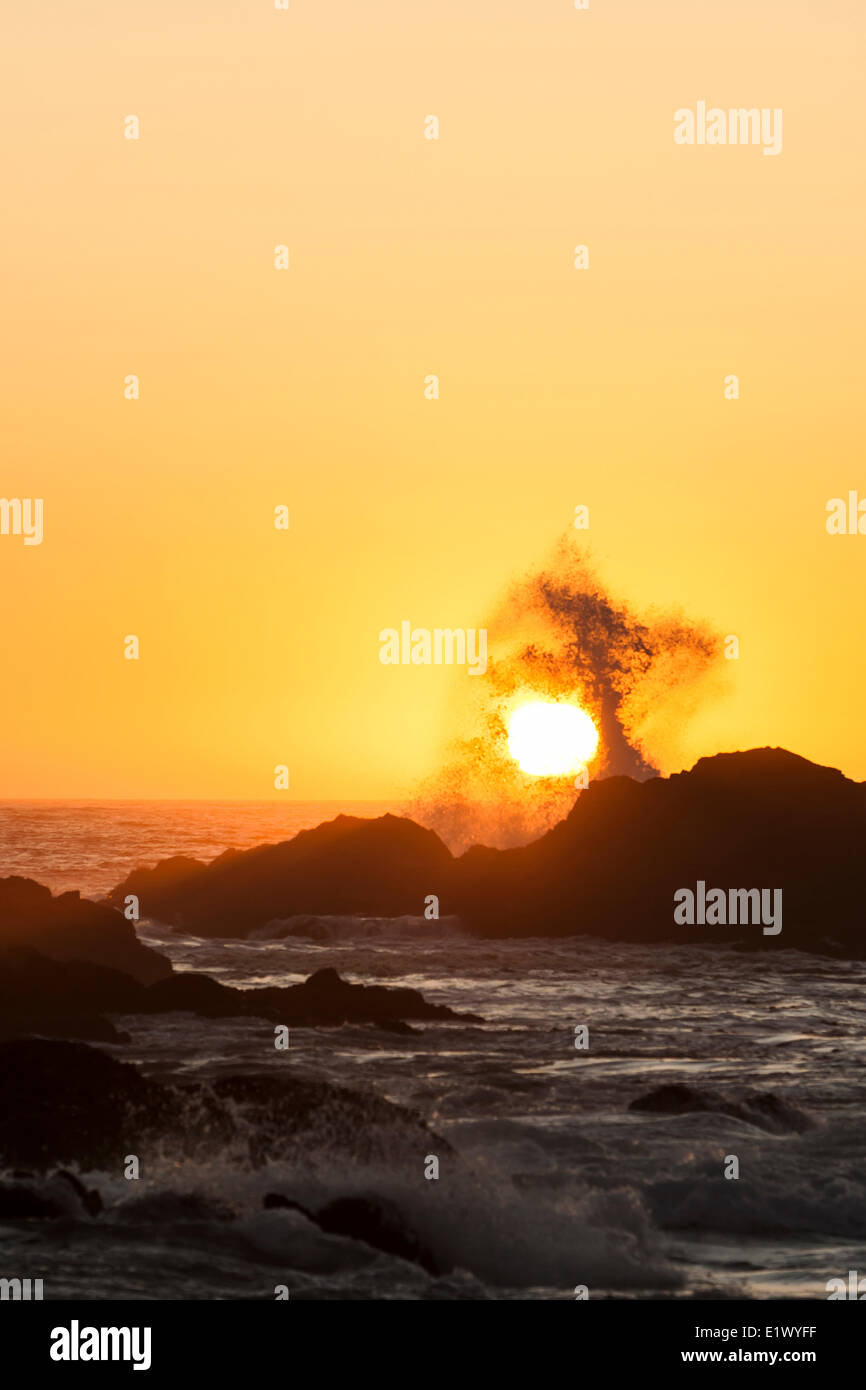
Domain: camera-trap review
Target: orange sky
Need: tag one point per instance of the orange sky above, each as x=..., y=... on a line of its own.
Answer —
x=305, y=387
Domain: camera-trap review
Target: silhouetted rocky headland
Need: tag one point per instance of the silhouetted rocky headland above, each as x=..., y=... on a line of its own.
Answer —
x=760, y=819
x=763, y=819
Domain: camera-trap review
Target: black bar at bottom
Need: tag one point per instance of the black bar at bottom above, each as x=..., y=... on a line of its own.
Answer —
x=165, y=1340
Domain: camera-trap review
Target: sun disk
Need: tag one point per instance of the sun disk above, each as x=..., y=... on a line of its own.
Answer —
x=551, y=740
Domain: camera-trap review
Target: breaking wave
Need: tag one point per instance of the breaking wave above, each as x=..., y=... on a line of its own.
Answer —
x=335, y=928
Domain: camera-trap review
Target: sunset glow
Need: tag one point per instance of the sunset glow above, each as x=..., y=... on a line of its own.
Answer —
x=551, y=740
x=262, y=387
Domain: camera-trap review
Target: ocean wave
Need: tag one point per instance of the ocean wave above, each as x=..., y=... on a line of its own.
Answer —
x=313, y=927
x=769, y=1199
x=470, y=1222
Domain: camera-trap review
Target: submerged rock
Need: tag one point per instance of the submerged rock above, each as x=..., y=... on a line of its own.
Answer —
x=18, y=1202
x=88, y=1197
x=374, y=1220
x=764, y=1109
x=62, y=1194
x=396, y=1025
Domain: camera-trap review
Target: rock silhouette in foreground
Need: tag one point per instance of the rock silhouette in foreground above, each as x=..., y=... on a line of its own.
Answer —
x=372, y=1219
x=70, y=927
x=70, y=1104
x=324, y=998
x=48, y=998
x=62, y=1194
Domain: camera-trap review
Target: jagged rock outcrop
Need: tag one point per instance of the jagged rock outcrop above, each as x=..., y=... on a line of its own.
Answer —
x=71, y=1000
x=384, y=867
x=70, y=927
x=765, y=818
x=760, y=819
x=67, y=1103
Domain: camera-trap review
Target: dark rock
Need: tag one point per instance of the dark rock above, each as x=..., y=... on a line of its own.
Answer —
x=374, y=1220
x=197, y=994
x=66, y=1103
x=52, y=999
x=763, y=818
x=62, y=1195
x=324, y=998
x=764, y=1109
x=70, y=927
x=276, y=1116
x=46, y=998
x=383, y=867
x=19, y=1203
x=671, y=1100
x=36, y=1023
x=758, y=819
x=88, y=1197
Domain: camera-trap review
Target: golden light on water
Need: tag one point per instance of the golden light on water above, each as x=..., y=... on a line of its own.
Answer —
x=549, y=739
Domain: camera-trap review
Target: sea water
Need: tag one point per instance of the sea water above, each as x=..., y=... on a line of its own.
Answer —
x=551, y=1181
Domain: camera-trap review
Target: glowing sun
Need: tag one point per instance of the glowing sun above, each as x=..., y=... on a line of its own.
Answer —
x=550, y=740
